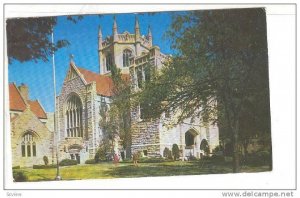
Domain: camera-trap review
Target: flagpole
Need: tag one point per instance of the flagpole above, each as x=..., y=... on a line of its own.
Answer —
x=58, y=177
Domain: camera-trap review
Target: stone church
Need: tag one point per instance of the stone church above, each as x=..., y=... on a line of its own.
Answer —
x=83, y=92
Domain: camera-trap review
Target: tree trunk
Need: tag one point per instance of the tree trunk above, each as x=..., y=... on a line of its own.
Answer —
x=236, y=157
x=245, y=145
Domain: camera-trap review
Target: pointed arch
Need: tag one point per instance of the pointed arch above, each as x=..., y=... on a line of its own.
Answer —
x=73, y=116
x=127, y=53
x=190, y=136
x=28, y=143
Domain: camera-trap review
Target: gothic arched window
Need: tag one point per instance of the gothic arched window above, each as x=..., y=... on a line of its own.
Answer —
x=73, y=117
x=126, y=55
x=108, y=62
x=28, y=145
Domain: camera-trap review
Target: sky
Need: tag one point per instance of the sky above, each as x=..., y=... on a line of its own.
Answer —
x=83, y=37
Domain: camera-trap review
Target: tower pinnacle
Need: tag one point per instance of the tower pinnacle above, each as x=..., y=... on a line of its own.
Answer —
x=137, y=29
x=115, y=30
x=99, y=38
x=149, y=35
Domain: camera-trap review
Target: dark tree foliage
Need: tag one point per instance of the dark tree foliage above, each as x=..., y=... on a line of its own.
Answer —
x=121, y=107
x=219, y=74
x=116, y=119
x=30, y=38
x=175, y=151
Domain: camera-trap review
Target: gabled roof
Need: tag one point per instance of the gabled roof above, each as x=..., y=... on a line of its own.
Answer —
x=37, y=109
x=16, y=101
x=104, y=84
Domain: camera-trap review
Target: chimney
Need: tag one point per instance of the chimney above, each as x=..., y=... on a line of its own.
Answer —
x=24, y=91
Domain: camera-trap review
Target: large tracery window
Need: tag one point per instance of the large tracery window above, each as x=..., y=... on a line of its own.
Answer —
x=28, y=145
x=126, y=55
x=74, y=117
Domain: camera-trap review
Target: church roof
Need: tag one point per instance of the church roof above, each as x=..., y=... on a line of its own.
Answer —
x=17, y=102
x=104, y=84
x=37, y=109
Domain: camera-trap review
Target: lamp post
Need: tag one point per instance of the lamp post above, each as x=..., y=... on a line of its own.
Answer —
x=58, y=177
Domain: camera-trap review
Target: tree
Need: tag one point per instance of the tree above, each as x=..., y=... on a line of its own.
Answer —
x=45, y=159
x=117, y=118
x=30, y=38
x=175, y=151
x=220, y=67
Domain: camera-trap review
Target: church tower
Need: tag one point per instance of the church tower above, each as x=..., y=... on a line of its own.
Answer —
x=121, y=48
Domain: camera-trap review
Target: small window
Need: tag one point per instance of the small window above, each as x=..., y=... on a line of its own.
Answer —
x=108, y=62
x=33, y=149
x=23, y=149
x=28, y=150
x=145, y=152
x=126, y=56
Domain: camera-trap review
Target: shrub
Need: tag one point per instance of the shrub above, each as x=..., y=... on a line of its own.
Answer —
x=152, y=160
x=103, y=153
x=218, y=149
x=90, y=161
x=44, y=166
x=97, y=157
x=192, y=158
x=205, y=157
x=217, y=158
x=19, y=176
x=16, y=167
x=259, y=158
x=167, y=153
x=175, y=151
x=67, y=162
x=46, y=161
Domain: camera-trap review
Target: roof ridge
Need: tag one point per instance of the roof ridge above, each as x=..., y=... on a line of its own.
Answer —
x=81, y=68
x=37, y=102
x=20, y=94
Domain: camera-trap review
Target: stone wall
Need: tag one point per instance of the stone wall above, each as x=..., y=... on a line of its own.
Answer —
x=87, y=95
x=145, y=136
x=27, y=122
x=76, y=86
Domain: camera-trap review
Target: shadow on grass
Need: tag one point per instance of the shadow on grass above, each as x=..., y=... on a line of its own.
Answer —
x=168, y=169
x=128, y=170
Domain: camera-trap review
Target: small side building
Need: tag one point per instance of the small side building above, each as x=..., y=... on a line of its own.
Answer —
x=31, y=140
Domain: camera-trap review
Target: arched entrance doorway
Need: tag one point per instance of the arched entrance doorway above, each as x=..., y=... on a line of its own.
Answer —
x=74, y=151
x=190, y=142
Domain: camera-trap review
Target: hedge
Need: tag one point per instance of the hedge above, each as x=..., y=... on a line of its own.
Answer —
x=16, y=167
x=19, y=176
x=90, y=161
x=44, y=166
x=67, y=162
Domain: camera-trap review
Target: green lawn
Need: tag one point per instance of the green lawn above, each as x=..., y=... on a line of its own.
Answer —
x=127, y=170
